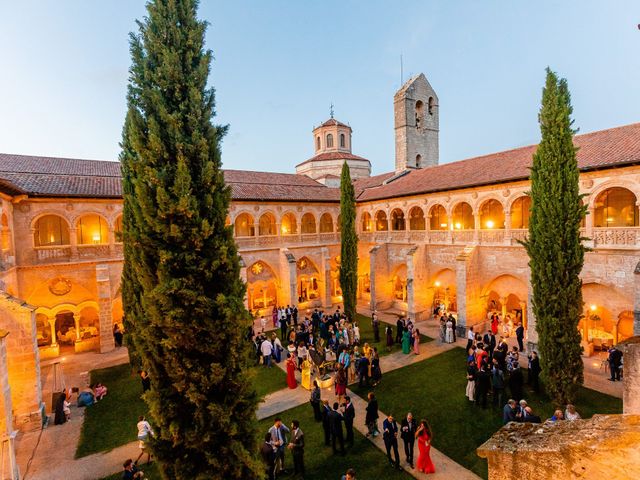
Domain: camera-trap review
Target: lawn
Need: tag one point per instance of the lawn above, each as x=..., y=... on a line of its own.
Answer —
x=112, y=421
x=366, y=336
x=268, y=380
x=320, y=464
x=435, y=389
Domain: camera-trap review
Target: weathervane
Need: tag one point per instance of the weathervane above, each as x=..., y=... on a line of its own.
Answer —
x=331, y=110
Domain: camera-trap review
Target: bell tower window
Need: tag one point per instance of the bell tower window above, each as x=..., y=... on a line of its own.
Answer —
x=318, y=143
x=418, y=161
x=329, y=140
x=431, y=105
x=342, y=141
x=419, y=113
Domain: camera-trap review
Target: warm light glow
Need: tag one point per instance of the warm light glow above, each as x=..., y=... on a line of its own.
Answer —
x=284, y=229
x=458, y=226
x=437, y=284
x=96, y=238
x=52, y=238
x=490, y=224
x=596, y=364
x=593, y=308
x=443, y=225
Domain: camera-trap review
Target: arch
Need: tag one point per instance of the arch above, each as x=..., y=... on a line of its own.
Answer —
x=227, y=221
x=520, y=212
x=609, y=304
x=91, y=229
x=318, y=142
x=382, y=225
x=308, y=223
x=439, y=219
x=397, y=219
x=51, y=230
x=326, y=223
x=416, y=219
x=491, y=214
x=289, y=225
x=262, y=286
x=366, y=223
x=419, y=113
x=431, y=104
x=267, y=224
x=462, y=218
x=329, y=140
x=399, y=283
x=244, y=226
x=505, y=294
x=418, y=161
x=444, y=290
x=308, y=287
x=117, y=229
x=343, y=142
x=615, y=207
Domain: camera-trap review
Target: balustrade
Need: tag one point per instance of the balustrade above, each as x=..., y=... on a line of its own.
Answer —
x=51, y=254
x=616, y=237
x=439, y=236
x=464, y=237
x=492, y=237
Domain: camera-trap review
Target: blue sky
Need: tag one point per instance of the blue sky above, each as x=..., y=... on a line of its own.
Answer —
x=279, y=65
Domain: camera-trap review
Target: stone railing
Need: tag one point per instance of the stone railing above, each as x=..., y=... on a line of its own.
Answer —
x=491, y=237
x=418, y=236
x=616, y=237
x=270, y=241
x=51, y=254
x=464, y=237
x=439, y=236
x=93, y=251
x=398, y=236
x=519, y=234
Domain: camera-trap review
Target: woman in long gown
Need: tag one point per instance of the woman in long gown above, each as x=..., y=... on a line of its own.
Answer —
x=406, y=341
x=449, y=332
x=389, y=334
x=416, y=341
x=423, y=434
x=291, y=372
x=340, y=381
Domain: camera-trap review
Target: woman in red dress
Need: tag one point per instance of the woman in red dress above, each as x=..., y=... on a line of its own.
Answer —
x=423, y=434
x=340, y=381
x=291, y=372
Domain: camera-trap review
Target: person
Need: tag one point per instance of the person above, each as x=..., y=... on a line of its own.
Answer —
x=274, y=316
x=423, y=434
x=371, y=418
x=144, y=432
x=530, y=417
x=408, y=430
x=363, y=371
x=509, y=412
x=349, y=475
x=390, y=437
x=497, y=382
x=416, y=341
x=117, y=335
x=376, y=372
x=389, y=335
x=86, y=397
x=534, y=371
x=291, y=372
x=335, y=420
x=263, y=324
x=131, y=471
x=340, y=382
x=315, y=401
x=268, y=457
x=405, y=341
x=375, y=324
x=349, y=416
x=60, y=416
x=100, y=391
x=483, y=383
x=615, y=362
x=494, y=323
x=472, y=371
x=266, y=348
x=326, y=422
x=520, y=410
x=399, y=329
x=278, y=435
x=297, y=448
x=145, y=380
x=520, y=336
x=515, y=381
x=470, y=338
x=557, y=416
x=571, y=414
x=452, y=319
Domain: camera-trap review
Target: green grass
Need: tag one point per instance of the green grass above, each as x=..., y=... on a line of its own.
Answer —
x=435, y=389
x=150, y=473
x=319, y=461
x=112, y=421
x=268, y=380
x=366, y=336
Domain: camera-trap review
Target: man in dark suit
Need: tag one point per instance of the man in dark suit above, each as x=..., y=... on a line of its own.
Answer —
x=509, y=412
x=349, y=415
x=326, y=422
x=390, y=437
x=375, y=323
x=335, y=420
x=297, y=448
x=408, y=434
x=534, y=371
x=268, y=457
x=399, y=329
x=615, y=361
x=520, y=336
x=363, y=371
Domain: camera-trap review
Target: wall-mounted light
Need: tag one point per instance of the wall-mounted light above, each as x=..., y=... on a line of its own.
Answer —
x=437, y=284
x=593, y=308
x=490, y=224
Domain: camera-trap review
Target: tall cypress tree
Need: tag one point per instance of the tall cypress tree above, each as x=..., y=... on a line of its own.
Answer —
x=181, y=283
x=348, y=243
x=555, y=249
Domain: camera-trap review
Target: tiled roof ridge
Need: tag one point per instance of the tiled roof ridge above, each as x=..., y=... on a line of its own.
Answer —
x=42, y=157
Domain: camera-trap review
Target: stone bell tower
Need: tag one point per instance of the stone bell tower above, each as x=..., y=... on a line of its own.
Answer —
x=415, y=108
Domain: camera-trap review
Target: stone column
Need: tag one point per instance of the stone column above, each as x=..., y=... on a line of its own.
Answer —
x=476, y=227
x=326, y=268
x=523, y=308
x=73, y=241
x=503, y=303
x=636, y=300
x=411, y=307
x=243, y=276
x=111, y=236
x=507, y=228
x=372, y=275
x=7, y=436
x=631, y=382
x=52, y=325
x=103, y=282
x=588, y=224
x=76, y=321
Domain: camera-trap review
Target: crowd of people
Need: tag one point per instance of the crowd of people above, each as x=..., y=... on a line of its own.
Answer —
x=85, y=397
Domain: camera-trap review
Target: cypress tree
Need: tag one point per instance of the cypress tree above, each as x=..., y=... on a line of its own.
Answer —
x=348, y=243
x=555, y=249
x=181, y=283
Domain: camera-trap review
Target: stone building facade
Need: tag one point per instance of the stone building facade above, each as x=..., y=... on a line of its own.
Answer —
x=446, y=235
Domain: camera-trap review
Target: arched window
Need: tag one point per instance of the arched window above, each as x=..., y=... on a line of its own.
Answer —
x=6, y=233
x=397, y=219
x=419, y=113
x=416, y=219
x=318, y=143
x=463, y=217
x=91, y=229
x=418, y=161
x=289, y=226
x=520, y=212
x=366, y=222
x=431, y=105
x=267, y=224
x=616, y=207
x=339, y=223
x=117, y=229
x=329, y=140
x=308, y=223
x=343, y=142
x=439, y=219
x=326, y=223
x=244, y=225
x=491, y=215
x=382, y=225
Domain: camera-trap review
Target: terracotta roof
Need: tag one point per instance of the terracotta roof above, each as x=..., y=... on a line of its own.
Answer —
x=605, y=148
x=333, y=122
x=333, y=156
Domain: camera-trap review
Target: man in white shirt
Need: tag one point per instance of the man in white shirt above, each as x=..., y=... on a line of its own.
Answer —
x=470, y=338
x=267, y=349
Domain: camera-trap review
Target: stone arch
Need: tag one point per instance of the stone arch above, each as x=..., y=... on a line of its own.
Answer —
x=366, y=222
x=397, y=219
x=615, y=182
x=91, y=228
x=399, y=283
x=309, y=280
x=308, y=223
x=506, y=294
x=326, y=223
x=262, y=286
x=610, y=305
x=615, y=207
x=462, y=217
x=288, y=224
x=416, y=218
x=444, y=290
x=520, y=212
x=243, y=225
x=382, y=224
x=438, y=217
x=51, y=229
x=491, y=212
x=267, y=224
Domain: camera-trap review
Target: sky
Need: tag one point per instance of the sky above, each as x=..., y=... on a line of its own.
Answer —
x=280, y=65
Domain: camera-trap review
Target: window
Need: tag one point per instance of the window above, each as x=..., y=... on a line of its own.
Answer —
x=343, y=142
x=329, y=140
x=244, y=225
x=491, y=215
x=416, y=219
x=418, y=161
x=317, y=143
x=616, y=207
x=431, y=105
x=439, y=219
x=267, y=224
x=366, y=222
x=308, y=223
x=326, y=223
x=520, y=212
x=463, y=217
x=397, y=219
x=419, y=113
x=91, y=229
x=289, y=225
x=382, y=225
x=117, y=230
